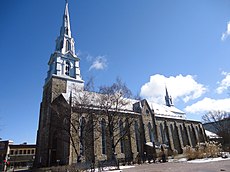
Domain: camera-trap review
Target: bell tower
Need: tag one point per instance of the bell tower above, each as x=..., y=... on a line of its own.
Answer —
x=63, y=75
x=64, y=62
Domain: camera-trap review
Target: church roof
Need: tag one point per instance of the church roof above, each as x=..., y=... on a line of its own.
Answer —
x=211, y=135
x=91, y=98
x=166, y=111
x=175, y=110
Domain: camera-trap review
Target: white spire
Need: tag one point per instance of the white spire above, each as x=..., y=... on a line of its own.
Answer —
x=65, y=42
x=64, y=62
x=65, y=29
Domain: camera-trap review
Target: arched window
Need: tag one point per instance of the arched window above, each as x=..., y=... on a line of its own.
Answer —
x=67, y=31
x=192, y=135
x=137, y=135
x=65, y=122
x=82, y=135
x=200, y=133
x=67, y=68
x=163, y=134
x=182, y=135
x=103, y=136
x=181, y=129
x=172, y=129
x=68, y=46
x=122, y=143
x=150, y=132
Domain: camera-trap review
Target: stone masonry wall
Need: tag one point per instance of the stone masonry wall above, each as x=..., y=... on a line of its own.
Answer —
x=51, y=90
x=180, y=133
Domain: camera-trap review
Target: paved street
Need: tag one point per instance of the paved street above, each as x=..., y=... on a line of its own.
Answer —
x=217, y=166
x=183, y=167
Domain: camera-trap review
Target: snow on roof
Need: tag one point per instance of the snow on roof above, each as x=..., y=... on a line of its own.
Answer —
x=165, y=111
x=93, y=98
x=175, y=110
x=211, y=135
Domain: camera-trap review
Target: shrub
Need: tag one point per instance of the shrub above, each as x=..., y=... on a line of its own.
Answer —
x=202, y=150
x=189, y=152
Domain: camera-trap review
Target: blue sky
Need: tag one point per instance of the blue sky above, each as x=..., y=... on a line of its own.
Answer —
x=184, y=45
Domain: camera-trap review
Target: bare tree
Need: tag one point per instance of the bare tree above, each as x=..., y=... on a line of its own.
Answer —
x=113, y=102
x=81, y=115
x=89, y=86
x=75, y=120
x=218, y=122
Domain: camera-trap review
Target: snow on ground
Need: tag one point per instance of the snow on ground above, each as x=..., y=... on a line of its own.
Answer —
x=113, y=169
x=208, y=160
x=182, y=160
x=128, y=166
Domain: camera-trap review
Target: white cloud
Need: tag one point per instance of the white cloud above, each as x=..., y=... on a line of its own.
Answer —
x=208, y=104
x=226, y=33
x=89, y=58
x=99, y=63
x=85, y=55
x=179, y=87
x=224, y=84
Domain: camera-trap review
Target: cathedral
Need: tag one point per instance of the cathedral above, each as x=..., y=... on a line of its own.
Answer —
x=74, y=127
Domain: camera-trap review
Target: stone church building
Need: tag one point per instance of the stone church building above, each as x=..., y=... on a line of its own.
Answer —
x=73, y=131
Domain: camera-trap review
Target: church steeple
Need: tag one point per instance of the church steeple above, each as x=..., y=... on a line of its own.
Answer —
x=65, y=29
x=64, y=62
x=168, y=99
x=65, y=42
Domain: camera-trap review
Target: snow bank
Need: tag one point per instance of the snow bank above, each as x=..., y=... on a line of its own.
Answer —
x=113, y=169
x=208, y=160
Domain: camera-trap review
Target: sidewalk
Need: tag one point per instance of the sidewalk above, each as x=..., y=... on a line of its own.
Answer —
x=215, y=166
